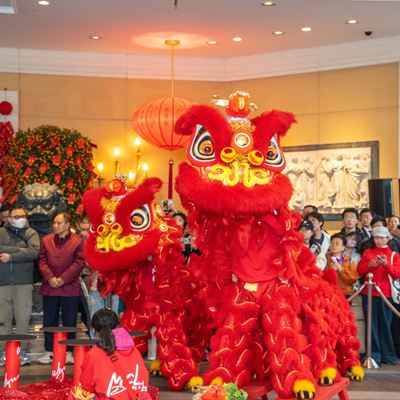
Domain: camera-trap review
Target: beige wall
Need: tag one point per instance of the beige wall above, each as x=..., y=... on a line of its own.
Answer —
x=357, y=104
x=350, y=105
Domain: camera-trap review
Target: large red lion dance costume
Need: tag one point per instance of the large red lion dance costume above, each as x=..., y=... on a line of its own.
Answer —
x=138, y=254
x=276, y=318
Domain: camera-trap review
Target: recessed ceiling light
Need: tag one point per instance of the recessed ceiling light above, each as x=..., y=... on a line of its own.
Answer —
x=212, y=42
x=352, y=22
x=278, y=33
x=95, y=37
x=306, y=29
x=268, y=3
x=43, y=2
x=237, y=39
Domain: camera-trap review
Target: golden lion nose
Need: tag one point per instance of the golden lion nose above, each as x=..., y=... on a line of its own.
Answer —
x=228, y=154
x=102, y=230
x=116, y=228
x=255, y=157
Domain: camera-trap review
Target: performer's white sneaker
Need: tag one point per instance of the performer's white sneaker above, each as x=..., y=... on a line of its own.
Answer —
x=152, y=345
x=47, y=358
x=70, y=358
x=2, y=358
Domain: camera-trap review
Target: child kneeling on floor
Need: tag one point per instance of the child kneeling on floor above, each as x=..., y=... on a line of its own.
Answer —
x=114, y=368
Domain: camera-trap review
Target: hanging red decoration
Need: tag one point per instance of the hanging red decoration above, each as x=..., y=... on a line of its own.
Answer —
x=5, y=108
x=154, y=122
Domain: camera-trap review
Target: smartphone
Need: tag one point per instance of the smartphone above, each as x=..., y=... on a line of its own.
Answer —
x=381, y=258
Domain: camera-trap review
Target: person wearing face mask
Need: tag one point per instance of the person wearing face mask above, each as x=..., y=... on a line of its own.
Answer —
x=393, y=243
x=19, y=248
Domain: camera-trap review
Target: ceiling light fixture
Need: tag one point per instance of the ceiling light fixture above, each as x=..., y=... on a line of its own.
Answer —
x=268, y=3
x=352, y=22
x=95, y=37
x=306, y=29
x=43, y=2
x=237, y=39
x=278, y=33
x=211, y=42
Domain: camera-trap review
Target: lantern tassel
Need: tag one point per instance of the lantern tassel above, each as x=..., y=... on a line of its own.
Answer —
x=170, y=178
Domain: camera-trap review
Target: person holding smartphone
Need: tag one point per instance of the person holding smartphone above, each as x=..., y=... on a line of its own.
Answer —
x=342, y=264
x=382, y=262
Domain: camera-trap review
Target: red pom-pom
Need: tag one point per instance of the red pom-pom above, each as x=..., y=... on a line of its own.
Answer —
x=5, y=108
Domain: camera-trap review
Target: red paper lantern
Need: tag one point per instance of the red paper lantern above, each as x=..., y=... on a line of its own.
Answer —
x=5, y=108
x=154, y=122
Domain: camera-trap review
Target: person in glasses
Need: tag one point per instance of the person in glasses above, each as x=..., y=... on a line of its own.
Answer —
x=19, y=248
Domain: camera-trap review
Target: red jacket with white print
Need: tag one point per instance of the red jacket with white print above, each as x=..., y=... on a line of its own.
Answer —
x=109, y=379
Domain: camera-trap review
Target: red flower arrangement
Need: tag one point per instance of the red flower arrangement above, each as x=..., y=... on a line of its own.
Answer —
x=49, y=154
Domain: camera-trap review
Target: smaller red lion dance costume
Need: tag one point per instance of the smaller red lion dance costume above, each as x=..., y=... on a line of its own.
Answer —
x=276, y=318
x=138, y=254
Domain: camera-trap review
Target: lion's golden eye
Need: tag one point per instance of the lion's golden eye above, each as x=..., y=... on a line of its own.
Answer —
x=271, y=152
x=273, y=156
x=206, y=147
x=137, y=220
x=202, y=148
x=140, y=218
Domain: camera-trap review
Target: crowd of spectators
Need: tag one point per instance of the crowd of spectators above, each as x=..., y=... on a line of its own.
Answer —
x=366, y=243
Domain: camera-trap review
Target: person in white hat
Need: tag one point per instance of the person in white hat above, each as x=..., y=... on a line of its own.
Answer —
x=381, y=261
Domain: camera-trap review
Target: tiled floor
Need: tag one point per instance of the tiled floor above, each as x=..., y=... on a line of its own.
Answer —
x=380, y=384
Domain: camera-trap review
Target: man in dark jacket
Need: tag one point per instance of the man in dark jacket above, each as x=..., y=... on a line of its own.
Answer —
x=19, y=248
x=60, y=264
x=4, y=214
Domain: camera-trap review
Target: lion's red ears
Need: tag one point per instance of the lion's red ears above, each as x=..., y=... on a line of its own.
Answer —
x=203, y=115
x=274, y=121
x=143, y=194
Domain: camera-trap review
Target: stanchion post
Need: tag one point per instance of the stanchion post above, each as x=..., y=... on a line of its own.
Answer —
x=79, y=354
x=108, y=301
x=369, y=362
x=59, y=356
x=11, y=370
